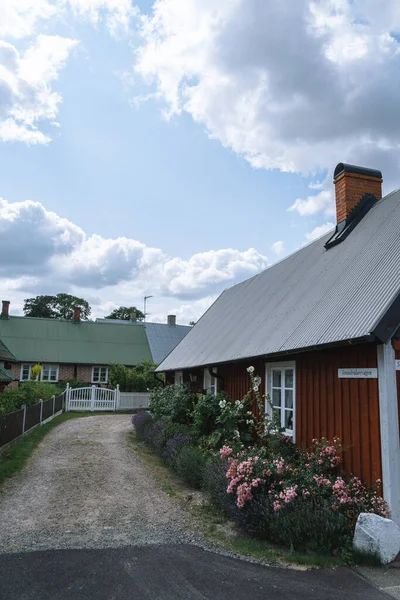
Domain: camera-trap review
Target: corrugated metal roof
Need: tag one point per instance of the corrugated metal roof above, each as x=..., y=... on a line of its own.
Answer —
x=313, y=297
x=5, y=353
x=59, y=341
x=6, y=376
x=162, y=337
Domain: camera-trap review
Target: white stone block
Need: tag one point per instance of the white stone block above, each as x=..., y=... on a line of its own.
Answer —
x=376, y=535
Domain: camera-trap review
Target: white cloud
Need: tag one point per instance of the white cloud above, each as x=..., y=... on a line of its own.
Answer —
x=46, y=251
x=26, y=97
x=296, y=86
x=323, y=201
x=27, y=101
x=22, y=18
x=278, y=247
x=320, y=231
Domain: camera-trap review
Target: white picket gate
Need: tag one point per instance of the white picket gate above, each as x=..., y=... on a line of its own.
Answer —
x=91, y=398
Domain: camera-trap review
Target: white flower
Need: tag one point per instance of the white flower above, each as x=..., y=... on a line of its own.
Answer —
x=236, y=434
x=250, y=370
x=255, y=388
x=237, y=402
x=222, y=403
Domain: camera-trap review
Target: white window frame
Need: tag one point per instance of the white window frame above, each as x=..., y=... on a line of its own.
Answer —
x=269, y=367
x=178, y=377
x=21, y=378
x=210, y=383
x=51, y=366
x=99, y=380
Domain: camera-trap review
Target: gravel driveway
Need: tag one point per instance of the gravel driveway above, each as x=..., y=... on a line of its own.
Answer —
x=86, y=487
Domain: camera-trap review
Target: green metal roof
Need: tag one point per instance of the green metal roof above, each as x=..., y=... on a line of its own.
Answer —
x=5, y=354
x=87, y=342
x=6, y=376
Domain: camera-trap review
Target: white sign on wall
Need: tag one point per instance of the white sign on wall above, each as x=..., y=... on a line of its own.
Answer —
x=397, y=365
x=363, y=373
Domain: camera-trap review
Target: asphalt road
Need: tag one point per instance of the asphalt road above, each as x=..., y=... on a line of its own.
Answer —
x=179, y=572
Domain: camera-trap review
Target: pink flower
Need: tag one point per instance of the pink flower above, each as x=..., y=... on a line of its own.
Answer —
x=225, y=451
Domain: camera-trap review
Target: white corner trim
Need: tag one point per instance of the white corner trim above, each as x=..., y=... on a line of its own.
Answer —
x=389, y=425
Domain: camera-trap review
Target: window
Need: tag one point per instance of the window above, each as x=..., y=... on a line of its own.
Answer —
x=281, y=387
x=48, y=373
x=210, y=382
x=99, y=374
x=25, y=372
x=178, y=377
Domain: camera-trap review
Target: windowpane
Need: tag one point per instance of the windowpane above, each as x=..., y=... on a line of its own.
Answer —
x=103, y=374
x=289, y=398
x=289, y=378
x=289, y=419
x=26, y=372
x=276, y=378
x=276, y=397
x=278, y=412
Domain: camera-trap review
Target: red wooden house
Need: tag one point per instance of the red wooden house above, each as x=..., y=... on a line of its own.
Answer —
x=322, y=329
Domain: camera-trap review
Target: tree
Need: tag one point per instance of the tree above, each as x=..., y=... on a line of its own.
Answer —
x=123, y=313
x=41, y=306
x=60, y=306
x=138, y=379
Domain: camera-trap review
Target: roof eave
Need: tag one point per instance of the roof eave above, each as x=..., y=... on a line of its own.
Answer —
x=370, y=338
x=389, y=322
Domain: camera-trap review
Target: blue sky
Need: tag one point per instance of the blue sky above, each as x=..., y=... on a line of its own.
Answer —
x=191, y=194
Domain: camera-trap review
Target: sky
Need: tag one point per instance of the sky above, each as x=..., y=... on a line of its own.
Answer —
x=173, y=148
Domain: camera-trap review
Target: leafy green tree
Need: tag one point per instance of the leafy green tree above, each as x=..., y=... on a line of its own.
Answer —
x=41, y=306
x=139, y=379
x=60, y=306
x=124, y=313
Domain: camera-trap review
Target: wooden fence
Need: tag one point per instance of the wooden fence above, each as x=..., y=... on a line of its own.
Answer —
x=132, y=400
x=16, y=424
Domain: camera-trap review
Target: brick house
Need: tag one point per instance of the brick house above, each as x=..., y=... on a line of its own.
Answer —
x=76, y=349
x=322, y=329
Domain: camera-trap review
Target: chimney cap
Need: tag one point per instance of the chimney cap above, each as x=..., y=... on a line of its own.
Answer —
x=346, y=168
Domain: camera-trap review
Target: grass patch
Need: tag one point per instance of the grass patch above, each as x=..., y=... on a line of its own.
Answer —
x=14, y=459
x=214, y=526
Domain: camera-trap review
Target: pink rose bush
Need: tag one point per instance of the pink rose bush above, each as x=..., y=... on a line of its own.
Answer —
x=309, y=475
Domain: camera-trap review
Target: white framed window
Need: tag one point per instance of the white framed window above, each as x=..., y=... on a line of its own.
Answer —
x=25, y=374
x=281, y=387
x=48, y=373
x=99, y=374
x=210, y=382
x=178, y=377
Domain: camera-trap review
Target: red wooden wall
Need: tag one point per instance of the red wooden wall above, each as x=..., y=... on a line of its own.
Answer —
x=327, y=406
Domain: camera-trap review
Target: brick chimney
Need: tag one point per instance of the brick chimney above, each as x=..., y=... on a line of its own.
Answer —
x=77, y=314
x=171, y=319
x=4, y=309
x=352, y=184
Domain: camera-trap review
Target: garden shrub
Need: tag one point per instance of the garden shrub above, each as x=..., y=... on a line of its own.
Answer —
x=302, y=503
x=154, y=436
x=171, y=429
x=138, y=379
x=172, y=403
x=215, y=484
x=206, y=413
x=174, y=445
x=189, y=464
x=142, y=422
x=29, y=392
